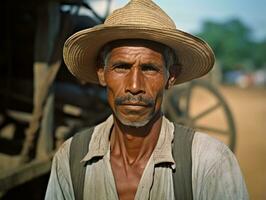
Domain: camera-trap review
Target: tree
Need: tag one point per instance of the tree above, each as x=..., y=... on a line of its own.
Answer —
x=233, y=45
x=259, y=57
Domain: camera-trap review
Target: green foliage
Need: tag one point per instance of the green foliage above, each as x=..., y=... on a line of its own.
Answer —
x=259, y=56
x=233, y=45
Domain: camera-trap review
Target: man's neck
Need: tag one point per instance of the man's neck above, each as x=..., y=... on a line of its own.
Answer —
x=131, y=149
x=135, y=144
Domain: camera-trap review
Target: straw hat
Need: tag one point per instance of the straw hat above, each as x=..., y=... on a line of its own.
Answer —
x=139, y=19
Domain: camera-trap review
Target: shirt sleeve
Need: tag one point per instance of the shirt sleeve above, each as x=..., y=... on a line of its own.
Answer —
x=215, y=171
x=60, y=184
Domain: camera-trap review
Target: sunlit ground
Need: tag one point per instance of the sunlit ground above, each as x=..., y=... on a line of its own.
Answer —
x=249, y=109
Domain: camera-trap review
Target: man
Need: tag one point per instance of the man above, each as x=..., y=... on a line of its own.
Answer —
x=137, y=54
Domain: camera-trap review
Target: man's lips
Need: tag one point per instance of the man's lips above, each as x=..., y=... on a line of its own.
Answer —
x=134, y=104
x=133, y=108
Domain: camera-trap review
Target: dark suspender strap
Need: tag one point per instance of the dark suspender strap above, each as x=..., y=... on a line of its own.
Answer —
x=181, y=152
x=182, y=155
x=78, y=149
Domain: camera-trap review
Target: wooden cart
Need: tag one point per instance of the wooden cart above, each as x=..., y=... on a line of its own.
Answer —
x=39, y=104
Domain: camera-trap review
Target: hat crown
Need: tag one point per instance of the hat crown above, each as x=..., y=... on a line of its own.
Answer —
x=141, y=13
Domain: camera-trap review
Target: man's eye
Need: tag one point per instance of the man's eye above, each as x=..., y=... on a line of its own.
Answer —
x=149, y=68
x=121, y=68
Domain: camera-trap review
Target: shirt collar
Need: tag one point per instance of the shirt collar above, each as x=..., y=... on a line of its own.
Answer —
x=99, y=143
x=163, y=150
x=162, y=153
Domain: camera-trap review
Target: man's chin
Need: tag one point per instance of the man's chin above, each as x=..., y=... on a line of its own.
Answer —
x=133, y=122
x=136, y=124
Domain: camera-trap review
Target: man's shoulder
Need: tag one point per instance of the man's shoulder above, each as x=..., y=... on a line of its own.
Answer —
x=64, y=149
x=183, y=129
x=215, y=170
x=84, y=132
x=205, y=143
x=208, y=152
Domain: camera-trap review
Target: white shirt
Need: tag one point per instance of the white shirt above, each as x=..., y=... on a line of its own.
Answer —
x=215, y=171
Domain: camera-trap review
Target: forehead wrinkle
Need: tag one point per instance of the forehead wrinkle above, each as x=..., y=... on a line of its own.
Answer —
x=169, y=57
x=132, y=54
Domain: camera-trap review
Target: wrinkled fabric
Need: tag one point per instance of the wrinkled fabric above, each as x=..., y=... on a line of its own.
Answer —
x=215, y=171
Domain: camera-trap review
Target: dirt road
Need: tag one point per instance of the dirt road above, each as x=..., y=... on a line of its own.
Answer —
x=249, y=110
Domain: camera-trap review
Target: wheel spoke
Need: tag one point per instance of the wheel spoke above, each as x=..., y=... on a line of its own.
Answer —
x=206, y=112
x=211, y=129
x=174, y=116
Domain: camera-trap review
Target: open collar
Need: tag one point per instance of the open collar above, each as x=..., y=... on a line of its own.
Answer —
x=99, y=144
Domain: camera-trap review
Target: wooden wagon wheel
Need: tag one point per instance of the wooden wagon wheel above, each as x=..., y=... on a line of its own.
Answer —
x=199, y=104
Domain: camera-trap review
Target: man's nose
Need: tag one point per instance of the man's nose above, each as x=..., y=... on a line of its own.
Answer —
x=135, y=82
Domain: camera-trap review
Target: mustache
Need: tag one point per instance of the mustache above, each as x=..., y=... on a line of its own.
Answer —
x=140, y=99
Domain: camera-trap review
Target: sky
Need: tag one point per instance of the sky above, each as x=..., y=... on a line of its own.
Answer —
x=189, y=15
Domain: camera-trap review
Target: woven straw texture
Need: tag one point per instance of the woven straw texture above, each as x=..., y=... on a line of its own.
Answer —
x=139, y=19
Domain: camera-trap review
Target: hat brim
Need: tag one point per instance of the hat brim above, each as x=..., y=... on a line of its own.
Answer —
x=81, y=49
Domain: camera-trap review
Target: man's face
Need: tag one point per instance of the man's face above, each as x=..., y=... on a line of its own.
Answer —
x=135, y=76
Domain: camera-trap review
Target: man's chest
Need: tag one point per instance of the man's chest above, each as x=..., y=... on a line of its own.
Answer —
x=127, y=177
x=154, y=183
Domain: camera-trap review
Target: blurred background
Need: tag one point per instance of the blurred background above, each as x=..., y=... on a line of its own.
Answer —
x=42, y=104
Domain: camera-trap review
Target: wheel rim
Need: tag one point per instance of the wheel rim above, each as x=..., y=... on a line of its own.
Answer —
x=198, y=104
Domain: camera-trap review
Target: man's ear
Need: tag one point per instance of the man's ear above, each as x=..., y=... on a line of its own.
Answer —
x=100, y=73
x=171, y=81
x=173, y=74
